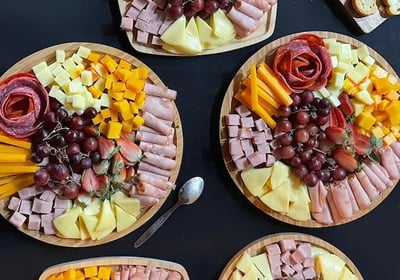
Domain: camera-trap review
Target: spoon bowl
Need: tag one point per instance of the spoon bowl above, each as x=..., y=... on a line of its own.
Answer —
x=188, y=194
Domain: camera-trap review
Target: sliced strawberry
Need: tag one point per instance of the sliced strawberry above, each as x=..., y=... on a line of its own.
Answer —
x=336, y=135
x=89, y=181
x=362, y=144
x=117, y=164
x=129, y=150
x=130, y=172
x=345, y=104
x=352, y=133
x=340, y=118
x=131, y=136
x=345, y=159
x=332, y=120
x=106, y=148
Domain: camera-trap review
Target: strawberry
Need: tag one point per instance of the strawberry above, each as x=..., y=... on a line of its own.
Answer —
x=362, y=145
x=129, y=150
x=345, y=159
x=130, y=172
x=336, y=135
x=352, y=133
x=332, y=120
x=106, y=148
x=91, y=130
x=340, y=118
x=345, y=104
x=89, y=180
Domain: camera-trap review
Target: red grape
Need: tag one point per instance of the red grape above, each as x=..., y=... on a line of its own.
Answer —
x=310, y=179
x=284, y=125
x=58, y=141
x=286, y=139
x=91, y=112
x=76, y=123
x=305, y=156
x=86, y=163
x=197, y=5
x=42, y=177
x=284, y=111
x=59, y=172
x=312, y=129
x=175, y=11
x=71, y=190
x=301, y=171
x=188, y=11
x=72, y=136
x=41, y=134
x=175, y=2
x=314, y=164
x=321, y=120
x=312, y=143
x=54, y=104
x=95, y=157
x=73, y=148
x=302, y=117
x=302, y=135
x=324, y=103
x=320, y=156
x=324, y=175
x=307, y=97
x=339, y=174
x=61, y=114
x=42, y=150
x=210, y=6
x=295, y=161
x=296, y=99
x=89, y=144
x=323, y=112
x=286, y=152
x=50, y=118
x=36, y=158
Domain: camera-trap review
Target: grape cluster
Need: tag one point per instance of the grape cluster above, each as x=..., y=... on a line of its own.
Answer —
x=65, y=145
x=201, y=8
x=303, y=143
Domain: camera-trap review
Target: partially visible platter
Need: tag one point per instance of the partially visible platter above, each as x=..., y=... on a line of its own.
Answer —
x=319, y=248
x=48, y=55
x=230, y=105
x=265, y=30
x=117, y=264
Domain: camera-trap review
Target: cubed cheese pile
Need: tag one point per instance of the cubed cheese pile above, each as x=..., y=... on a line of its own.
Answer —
x=374, y=92
x=88, y=79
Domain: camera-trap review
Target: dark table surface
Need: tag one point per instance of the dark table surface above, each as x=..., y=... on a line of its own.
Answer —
x=205, y=236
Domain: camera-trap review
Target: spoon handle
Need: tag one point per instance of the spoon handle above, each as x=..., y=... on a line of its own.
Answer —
x=155, y=226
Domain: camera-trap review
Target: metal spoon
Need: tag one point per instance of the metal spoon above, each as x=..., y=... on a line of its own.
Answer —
x=189, y=193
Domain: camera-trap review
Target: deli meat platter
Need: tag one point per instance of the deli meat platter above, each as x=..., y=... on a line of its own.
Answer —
x=324, y=260
x=264, y=31
x=101, y=198
x=119, y=267
x=252, y=166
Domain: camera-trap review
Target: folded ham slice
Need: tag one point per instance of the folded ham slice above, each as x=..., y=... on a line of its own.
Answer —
x=249, y=9
x=157, y=182
x=246, y=23
x=375, y=180
x=174, y=275
x=324, y=217
x=317, y=196
x=371, y=191
x=157, y=124
x=164, y=150
x=389, y=162
x=152, y=138
x=159, y=91
x=396, y=148
x=145, y=200
x=144, y=166
x=359, y=193
x=159, y=161
x=159, y=107
x=353, y=201
x=341, y=198
x=264, y=5
x=332, y=206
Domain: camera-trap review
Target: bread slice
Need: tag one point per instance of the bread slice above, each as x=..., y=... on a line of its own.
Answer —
x=392, y=7
x=364, y=7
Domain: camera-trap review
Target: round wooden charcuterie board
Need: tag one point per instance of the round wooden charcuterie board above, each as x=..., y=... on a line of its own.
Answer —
x=259, y=246
x=115, y=262
x=48, y=55
x=266, y=54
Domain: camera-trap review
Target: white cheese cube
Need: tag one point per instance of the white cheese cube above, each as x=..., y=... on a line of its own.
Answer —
x=334, y=100
x=369, y=60
x=337, y=81
x=86, y=77
x=362, y=52
x=105, y=100
x=365, y=84
x=39, y=67
x=362, y=70
x=354, y=57
x=324, y=92
x=317, y=94
x=70, y=110
x=334, y=91
x=56, y=69
x=60, y=56
x=100, y=69
x=88, y=98
x=358, y=107
x=76, y=58
x=76, y=71
x=335, y=48
x=334, y=61
x=45, y=77
x=100, y=84
x=329, y=41
x=83, y=52
x=343, y=67
x=354, y=76
x=345, y=50
x=364, y=96
x=97, y=104
x=379, y=72
x=58, y=94
x=78, y=102
x=68, y=64
x=62, y=82
x=75, y=87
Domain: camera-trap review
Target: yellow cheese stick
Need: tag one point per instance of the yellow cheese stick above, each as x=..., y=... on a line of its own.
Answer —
x=6, y=157
x=20, y=182
x=15, y=142
x=18, y=169
x=6, y=179
x=4, y=148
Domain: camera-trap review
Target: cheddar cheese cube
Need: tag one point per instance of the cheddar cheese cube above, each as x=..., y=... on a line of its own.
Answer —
x=70, y=274
x=113, y=130
x=90, y=271
x=365, y=120
x=104, y=272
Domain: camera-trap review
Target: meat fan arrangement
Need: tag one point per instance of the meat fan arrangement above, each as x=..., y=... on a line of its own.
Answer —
x=89, y=144
x=313, y=130
x=191, y=27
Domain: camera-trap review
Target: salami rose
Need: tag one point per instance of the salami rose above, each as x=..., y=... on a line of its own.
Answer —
x=303, y=63
x=23, y=103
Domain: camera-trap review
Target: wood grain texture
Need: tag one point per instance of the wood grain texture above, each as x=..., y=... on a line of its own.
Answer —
x=229, y=103
x=262, y=33
x=258, y=247
x=365, y=23
x=114, y=262
x=48, y=54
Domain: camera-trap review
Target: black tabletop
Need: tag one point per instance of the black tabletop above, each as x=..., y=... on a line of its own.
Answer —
x=205, y=236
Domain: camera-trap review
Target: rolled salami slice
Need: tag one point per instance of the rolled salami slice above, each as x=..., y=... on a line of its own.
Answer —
x=302, y=65
x=23, y=104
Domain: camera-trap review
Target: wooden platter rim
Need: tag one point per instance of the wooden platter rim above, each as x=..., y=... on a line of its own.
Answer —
x=46, y=54
x=266, y=52
x=255, y=247
x=114, y=260
x=258, y=36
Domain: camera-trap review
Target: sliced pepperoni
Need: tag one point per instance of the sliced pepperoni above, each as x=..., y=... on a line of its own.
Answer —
x=23, y=103
x=312, y=39
x=302, y=65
